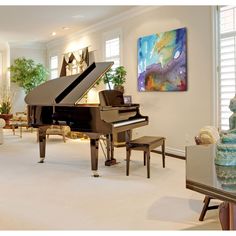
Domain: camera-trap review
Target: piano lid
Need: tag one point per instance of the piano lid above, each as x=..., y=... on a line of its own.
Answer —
x=67, y=90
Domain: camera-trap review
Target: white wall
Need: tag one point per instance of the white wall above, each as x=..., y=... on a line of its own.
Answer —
x=37, y=52
x=176, y=115
x=4, y=74
x=1, y=69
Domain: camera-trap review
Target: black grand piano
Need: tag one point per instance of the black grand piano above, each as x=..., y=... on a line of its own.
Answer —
x=56, y=102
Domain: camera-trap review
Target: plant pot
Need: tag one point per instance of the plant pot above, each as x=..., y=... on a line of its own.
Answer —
x=119, y=88
x=7, y=118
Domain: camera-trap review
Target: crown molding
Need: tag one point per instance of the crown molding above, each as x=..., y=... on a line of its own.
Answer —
x=32, y=45
x=138, y=10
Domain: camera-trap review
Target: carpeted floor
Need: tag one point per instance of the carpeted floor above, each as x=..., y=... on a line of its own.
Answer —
x=61, y=194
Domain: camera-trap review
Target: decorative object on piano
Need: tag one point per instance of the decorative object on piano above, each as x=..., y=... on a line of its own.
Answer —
x=27, y=74
x=162, y=61
x=75, y=62
x=6, y=105
x=226, y=147
x=127, y=99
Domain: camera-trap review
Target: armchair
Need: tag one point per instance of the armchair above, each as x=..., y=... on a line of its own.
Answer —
x=58, y=130
x=19, y=120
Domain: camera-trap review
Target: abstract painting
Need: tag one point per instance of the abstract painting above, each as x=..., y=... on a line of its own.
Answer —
x=162, y=61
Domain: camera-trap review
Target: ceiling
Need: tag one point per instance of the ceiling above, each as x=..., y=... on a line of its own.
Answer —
x=36, y=23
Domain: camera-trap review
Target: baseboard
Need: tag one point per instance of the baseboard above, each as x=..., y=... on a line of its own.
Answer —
x=172, y=152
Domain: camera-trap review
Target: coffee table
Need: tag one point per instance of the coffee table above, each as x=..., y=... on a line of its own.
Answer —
x=203, y=176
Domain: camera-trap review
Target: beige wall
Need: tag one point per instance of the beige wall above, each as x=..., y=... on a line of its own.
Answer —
x=175, y=115
x=4, y=74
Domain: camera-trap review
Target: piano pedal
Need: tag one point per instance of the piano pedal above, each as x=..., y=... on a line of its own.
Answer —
x=110, y=162
x=95, y=174
x=41, y=160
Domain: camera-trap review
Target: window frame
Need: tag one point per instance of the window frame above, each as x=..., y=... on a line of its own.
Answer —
x=217, y=65
x=54, y=69
x=109, y=36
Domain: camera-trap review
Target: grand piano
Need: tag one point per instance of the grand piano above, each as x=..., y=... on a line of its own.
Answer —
x=56, y=102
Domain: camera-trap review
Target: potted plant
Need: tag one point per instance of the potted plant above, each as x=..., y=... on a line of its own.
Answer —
x=27, y=74
x=115, y=77
x=119, y=78
x=5, y=107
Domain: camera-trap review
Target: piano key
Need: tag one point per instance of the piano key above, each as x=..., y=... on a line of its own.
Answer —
x=128, y=122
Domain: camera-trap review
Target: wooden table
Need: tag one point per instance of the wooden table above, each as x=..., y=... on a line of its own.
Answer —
x=203, y=176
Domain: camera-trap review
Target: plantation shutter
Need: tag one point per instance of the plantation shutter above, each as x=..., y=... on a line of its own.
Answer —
x=54, y=67
x=227, y=20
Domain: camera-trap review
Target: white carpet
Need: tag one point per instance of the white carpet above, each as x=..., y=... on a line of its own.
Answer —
x=61, y=194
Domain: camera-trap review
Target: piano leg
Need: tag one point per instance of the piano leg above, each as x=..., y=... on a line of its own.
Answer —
x=110, y=151
x=108, y=144
x=94, y=156
x=42, y=142
x=128, y=136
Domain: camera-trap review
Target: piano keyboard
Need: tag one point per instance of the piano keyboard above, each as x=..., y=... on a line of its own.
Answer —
x=128, y=122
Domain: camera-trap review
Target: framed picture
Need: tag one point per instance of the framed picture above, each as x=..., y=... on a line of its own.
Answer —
x=127, y=99
x=162, y=61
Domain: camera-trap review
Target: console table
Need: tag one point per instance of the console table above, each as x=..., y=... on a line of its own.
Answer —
x=203, y=176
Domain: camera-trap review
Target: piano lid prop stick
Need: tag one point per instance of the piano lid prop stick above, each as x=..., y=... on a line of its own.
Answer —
x=67, y=90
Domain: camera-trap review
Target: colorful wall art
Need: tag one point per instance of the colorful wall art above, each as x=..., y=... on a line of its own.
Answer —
x=162, y=61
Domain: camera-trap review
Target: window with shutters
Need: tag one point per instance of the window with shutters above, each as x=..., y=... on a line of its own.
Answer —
x=227, y=61
x=112, y=51
x=54, y=67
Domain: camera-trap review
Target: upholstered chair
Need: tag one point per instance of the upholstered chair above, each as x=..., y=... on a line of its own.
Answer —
x=58, y=130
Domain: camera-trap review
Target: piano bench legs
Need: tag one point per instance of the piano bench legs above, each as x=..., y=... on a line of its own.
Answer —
x=145, y=144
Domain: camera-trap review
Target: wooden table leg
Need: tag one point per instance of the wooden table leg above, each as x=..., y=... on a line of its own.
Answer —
x=232, y=216
x=21, y=131
x=163, y=153
x=13, y=129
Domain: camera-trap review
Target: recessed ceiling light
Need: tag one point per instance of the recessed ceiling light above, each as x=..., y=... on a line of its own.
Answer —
x=65, y=28
x=54, y=33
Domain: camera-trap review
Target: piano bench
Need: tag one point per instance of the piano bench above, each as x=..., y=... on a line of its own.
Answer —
x=145, y=144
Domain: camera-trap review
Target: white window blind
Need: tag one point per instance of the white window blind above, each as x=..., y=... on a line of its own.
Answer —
x=54, y=67
x=112, y=51
x=227, y=56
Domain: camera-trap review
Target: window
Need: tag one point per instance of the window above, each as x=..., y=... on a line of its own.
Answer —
x=227, y=62
x=54, y=67
x=112, y=51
